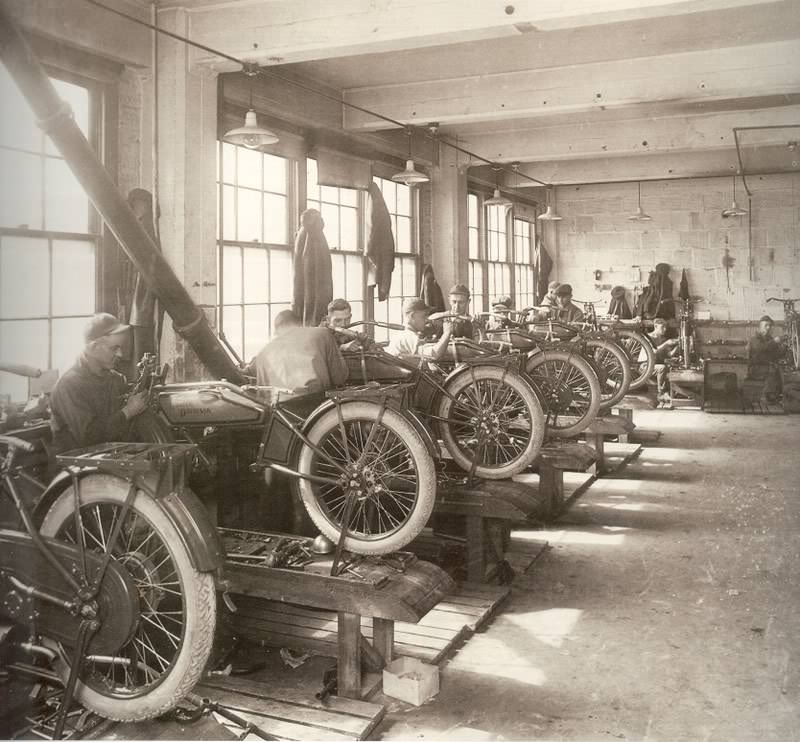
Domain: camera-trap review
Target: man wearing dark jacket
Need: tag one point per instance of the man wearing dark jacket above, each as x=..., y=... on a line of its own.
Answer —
x=763, y=353
x=88, y=404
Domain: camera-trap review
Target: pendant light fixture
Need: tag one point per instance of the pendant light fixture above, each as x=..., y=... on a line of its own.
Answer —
x=550, y=213
x=735, y=209
x=640, y=216
x=410, y=176
x=497, y=199
x=251, y=135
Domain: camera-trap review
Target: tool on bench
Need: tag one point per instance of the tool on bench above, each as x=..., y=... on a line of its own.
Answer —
x=202, y=706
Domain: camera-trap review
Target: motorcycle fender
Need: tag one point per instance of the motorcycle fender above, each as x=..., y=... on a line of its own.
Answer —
x=328, y=404
x=519, y=362
x=184, y=509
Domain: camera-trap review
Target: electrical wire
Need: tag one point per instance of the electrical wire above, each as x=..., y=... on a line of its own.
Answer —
x=311, y=89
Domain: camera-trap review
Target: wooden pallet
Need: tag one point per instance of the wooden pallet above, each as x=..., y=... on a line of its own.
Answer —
x=438, y=632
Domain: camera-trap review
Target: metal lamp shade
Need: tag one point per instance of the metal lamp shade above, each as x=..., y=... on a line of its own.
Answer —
x=250, y=135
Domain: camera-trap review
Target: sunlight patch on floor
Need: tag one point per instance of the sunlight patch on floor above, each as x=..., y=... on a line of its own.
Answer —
x=550, y=626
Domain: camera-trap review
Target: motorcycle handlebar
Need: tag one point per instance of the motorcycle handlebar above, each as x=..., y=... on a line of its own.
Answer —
x=785, y=301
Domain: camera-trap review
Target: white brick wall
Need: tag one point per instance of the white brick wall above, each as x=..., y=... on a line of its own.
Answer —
x=687, y=231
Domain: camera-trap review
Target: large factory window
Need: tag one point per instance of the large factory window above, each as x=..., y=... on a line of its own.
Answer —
x=524, y=292
x=405, y=283
x=255, y=252
x=498, y=268
x=341, y=210
x=48, y=238
x=476, y=267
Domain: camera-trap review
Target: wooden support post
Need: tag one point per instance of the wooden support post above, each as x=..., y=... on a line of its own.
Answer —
x=476, y=556
x=383, y=638
x=349, y=662
x=551, y=484
x=599, y=445
x=626, y=413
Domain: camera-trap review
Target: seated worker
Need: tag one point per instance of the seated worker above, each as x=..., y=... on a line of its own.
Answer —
x=459, y=304
x=340, y=315
x=565, y=310
x=498, y=320
x=664, y=348
x=88, y=404
x=763, y=353
x=550, y=298
x=303, y=359
x=411, y=341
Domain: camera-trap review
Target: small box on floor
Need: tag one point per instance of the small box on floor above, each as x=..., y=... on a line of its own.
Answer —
x=411, y=680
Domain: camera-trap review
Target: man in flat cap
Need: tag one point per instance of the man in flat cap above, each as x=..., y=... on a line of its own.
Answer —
x=88, y=404
x=566, y=311
x=412, y=340
x=763, y=353
x=459, y=298
x=501, y=307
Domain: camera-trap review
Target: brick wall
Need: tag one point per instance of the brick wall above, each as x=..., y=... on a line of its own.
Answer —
x=687, y=231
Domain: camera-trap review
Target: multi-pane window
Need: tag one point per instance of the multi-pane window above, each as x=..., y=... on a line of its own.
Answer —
x=340, y=212
x=48, y=239
x=255, y=255
x=476, y=268
x=398, y=198
x=498, y=269
x=524, y=291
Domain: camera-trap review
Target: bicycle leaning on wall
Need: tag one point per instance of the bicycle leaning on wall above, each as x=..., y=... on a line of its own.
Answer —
x=791, y=325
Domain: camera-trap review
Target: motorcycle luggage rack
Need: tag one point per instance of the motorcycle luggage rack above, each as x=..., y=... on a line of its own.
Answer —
x=369, y=390
x=131, y=459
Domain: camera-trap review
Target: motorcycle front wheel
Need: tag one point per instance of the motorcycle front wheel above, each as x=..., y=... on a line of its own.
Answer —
x=491, y=421
x=640, y=350
x=391, y=481
x=615, y=367
x=170, y=646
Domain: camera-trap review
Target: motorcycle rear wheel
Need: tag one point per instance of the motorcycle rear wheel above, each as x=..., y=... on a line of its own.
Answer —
x=569, y=389
x=634, y=343
x=513, y=421
x=615, y=362
x=396, y=488
x=168, y=651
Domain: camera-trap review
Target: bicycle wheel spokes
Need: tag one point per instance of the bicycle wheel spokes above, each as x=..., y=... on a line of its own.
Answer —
x=382, y=478
x=142, y=663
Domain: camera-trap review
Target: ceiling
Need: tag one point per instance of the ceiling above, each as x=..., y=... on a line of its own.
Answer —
x=576, y=90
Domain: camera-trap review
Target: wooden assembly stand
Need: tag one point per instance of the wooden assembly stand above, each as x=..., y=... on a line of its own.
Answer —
x=398, y=587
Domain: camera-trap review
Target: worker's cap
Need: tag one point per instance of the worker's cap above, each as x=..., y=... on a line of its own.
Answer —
x=503, y=302
x=459, y=290
x=416, y=305
x=564, y=289
x=553, y=285
x=766, y=318
x=618, y=292
x=101, y=325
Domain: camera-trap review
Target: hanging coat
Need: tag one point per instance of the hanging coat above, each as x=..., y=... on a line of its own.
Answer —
x=313, y=280
x=542, y=265
x=619, y=306
x=380, y=242
x=146, y=315
x=683, y=290
x=430, y=291
x=665, y=307
x=647, y=304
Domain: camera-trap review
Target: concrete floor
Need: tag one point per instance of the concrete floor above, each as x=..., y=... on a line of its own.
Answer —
x=668, y=607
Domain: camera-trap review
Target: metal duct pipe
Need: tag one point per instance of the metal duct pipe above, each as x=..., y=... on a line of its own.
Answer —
x=55, y=118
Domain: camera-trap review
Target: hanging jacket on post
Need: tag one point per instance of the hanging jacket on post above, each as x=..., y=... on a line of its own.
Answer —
x=380, y=242
x=647, y=304
x=619, y=306
x=313, y=280
x=430, y=292
x=683, y=290
x=542, y=265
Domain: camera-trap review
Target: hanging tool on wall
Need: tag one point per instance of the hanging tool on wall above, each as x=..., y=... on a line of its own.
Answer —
x=728, y=262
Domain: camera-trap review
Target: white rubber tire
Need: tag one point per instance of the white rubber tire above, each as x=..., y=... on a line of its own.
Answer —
x=423, y=464
x=198, y=592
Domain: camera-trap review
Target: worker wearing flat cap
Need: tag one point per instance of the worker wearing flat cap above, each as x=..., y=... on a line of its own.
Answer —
x=412, y=340
x=463, y=326
x=763, y=353
x=566, y=311
x=88, y=404
x=501, y=307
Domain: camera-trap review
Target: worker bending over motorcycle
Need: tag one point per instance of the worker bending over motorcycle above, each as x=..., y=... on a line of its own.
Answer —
x=88, y=404
x=413, y=340
x=301, y=359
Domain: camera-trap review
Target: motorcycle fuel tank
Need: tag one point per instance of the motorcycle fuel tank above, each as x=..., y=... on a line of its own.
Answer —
x=211, y=403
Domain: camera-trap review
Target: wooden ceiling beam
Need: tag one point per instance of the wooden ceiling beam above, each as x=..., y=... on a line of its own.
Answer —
x=711, y=75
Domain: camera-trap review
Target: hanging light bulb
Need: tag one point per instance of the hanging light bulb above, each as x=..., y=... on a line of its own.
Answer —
x=251, y=135
x=550, y=213
x=735, y=209
x=410, y=176
x=640, y=216
x=497, y=199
